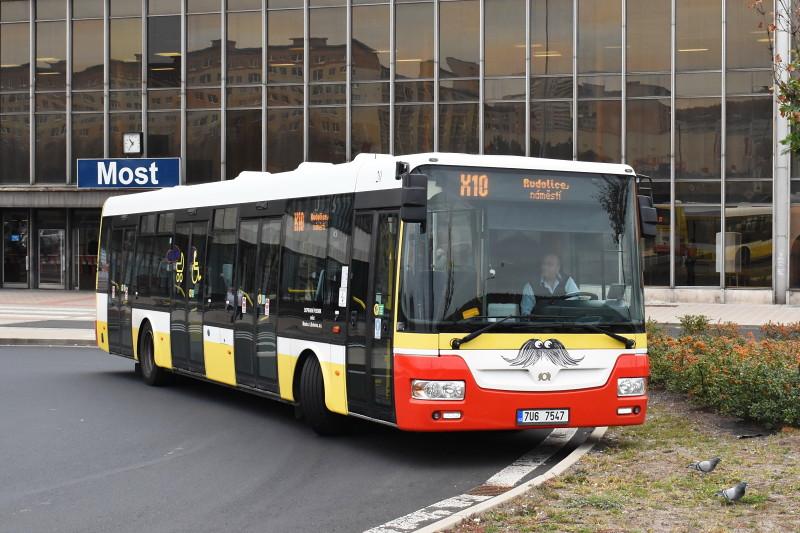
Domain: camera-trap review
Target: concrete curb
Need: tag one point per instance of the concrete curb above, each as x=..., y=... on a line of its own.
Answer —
x=49, y=342
x=484, y=506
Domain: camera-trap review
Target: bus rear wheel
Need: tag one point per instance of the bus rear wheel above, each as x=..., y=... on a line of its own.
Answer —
x=312, y=401
x=152, y=374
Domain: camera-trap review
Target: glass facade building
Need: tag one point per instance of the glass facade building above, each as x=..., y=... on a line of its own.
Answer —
x=679, y=89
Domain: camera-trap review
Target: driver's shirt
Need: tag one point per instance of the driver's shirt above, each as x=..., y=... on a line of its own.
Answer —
x=529, y=299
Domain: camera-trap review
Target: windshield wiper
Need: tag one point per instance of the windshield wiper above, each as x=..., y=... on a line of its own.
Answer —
x=456, y=343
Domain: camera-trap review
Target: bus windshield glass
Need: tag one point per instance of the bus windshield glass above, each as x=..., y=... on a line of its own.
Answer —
x=530, y=247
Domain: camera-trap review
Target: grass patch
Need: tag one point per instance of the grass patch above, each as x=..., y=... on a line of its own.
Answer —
x=636, y=480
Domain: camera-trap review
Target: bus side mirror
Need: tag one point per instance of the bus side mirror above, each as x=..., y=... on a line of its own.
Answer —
x=648, y=216
x=414, y=198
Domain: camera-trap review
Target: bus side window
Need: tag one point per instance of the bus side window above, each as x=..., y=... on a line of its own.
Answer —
x=338, y=248
x=221, y=255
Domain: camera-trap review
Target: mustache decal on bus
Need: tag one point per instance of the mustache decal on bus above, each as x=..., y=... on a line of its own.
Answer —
x=534, y=350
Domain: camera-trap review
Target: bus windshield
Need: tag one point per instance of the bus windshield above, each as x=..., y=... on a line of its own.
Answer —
x=530, y=247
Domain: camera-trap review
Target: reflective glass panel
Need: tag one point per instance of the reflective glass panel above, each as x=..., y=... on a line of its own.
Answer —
x=414, y=57
x=370, y=46
x=599, y=36
x=748, y=143
x=328, y=94
x=14, y=10
x=599, y=86
x=504, y=128
x=129, y=8
x=164, y=134
x=51, y=148
x=599, y=131
x=697, y=138
x=327, y=131
x=244, y=97
x=551, y=130
x=51, y=102
x=279, y=4
x=285, y=41
x=748, y=82
x=696, y=229
x=243, y=141
x=284, y=139
x=203, y=98
x=87, y=138
x=747, y=38
x=648, y=85
x=50, y=9
x=697, y=192
x=648, y=126
x=244, y=48
x=123, y=100
x=655, y=255
x=748, y=192
x=125, y=63
x=202, y=146
x=87, y=9
x=413, y=130
x=459, y=38
x=14, y=57
x=240, y=5
x=328, y=44
x=51, y=59
x=370, y=130
x=698, y=34
x=748, y=246
x=285, y=95
x=14, y=102
x=648, y=38
x=698, y=84
x=203, y=53
x=504, y=27
x=202, y=6
x=87, y=57
x=370, y=93
x=504, y=89
x=92, y=101
x=163, y=99
x=457, y=90
x=15, y=148
x=118, y=124
x=794, y=246
x=413, y=91
x=458, y=128
x=164, y=7
x=551, y=37
x=164, y=52
x=557, y=87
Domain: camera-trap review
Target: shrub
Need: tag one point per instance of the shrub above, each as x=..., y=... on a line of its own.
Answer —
x=731, y=373
x=790, y=331
x=694, y=324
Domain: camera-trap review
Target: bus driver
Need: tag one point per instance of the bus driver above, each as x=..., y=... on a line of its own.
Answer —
x=552, y=282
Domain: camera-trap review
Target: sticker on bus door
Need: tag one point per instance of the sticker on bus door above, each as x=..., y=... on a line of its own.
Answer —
x=377, y=333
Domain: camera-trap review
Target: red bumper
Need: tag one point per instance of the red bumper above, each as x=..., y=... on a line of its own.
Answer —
x=496, y=409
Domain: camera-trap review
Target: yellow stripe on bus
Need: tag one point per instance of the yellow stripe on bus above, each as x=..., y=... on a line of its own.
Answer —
x=102, y=335
x=335, y=380
x=286, y=366
x=162, y=349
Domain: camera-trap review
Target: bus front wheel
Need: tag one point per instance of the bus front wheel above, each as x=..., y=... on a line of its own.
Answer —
x=312, y=401
x=151, y=373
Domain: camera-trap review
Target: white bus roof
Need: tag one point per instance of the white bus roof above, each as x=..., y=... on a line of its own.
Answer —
x=367, y=172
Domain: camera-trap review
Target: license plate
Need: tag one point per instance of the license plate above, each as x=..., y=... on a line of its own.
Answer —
x=545, y=417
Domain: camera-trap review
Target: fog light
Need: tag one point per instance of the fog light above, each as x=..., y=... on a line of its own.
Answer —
x=451, y=415
x=631, y=386
x=625, y=410
x=423, y=389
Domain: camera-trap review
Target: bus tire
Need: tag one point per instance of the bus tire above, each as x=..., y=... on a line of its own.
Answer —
x=312, y=401
x=152, y=374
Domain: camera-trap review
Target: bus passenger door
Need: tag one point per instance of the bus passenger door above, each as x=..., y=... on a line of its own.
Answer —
x=120, y=276
x=370, y=386
x=186, y=324
x=255, y=342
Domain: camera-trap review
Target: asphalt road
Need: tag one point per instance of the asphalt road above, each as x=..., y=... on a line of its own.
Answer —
x=85, y=446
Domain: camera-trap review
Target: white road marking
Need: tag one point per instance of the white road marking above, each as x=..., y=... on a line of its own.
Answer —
x=513, y=473
x=508, y=477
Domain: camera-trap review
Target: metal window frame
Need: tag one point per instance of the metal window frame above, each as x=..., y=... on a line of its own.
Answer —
x=672, y=144
x=722, y=148
x=574, y=80
x=223, y=91
x=68, y=103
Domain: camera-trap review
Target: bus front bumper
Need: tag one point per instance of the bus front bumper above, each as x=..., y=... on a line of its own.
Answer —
x=486, y=409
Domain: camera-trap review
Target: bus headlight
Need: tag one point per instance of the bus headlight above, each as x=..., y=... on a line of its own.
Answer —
x=424, y=389
x=631, y=386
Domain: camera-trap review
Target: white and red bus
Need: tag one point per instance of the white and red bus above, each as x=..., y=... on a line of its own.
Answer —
x=431, y=292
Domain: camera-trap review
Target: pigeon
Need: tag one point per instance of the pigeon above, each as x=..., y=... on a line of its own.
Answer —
x=705, y=467
x=733, y=494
